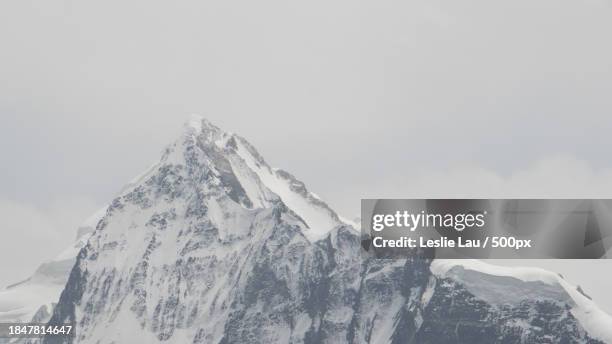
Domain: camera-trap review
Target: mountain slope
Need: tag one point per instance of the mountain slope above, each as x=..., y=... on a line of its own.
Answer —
x=212, y=245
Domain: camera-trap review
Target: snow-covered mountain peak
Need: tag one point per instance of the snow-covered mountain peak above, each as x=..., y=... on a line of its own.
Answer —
x=214, y=162
x=195, y=123
x=212, y=245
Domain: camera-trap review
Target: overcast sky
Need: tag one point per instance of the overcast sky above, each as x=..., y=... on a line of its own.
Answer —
x=357, y=98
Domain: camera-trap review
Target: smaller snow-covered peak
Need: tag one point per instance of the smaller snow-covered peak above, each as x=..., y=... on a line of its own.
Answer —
x=93, y=220
x=595, y=321
x=89, y=225
x=22, y=302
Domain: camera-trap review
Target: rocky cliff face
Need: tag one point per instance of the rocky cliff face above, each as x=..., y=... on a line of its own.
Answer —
x=212, y=245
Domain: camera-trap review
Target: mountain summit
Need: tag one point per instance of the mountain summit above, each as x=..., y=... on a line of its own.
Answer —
x=212, y=245
x=236, y=168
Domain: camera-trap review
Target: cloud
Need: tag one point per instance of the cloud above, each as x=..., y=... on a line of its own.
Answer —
x=561, y=176
x=555, y=177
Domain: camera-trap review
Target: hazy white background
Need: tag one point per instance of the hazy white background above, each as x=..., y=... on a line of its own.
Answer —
x=357, y=98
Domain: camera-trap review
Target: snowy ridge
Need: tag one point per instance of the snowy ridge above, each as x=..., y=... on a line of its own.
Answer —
x=317, y=215
x=595, y=321
x=441, y=267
